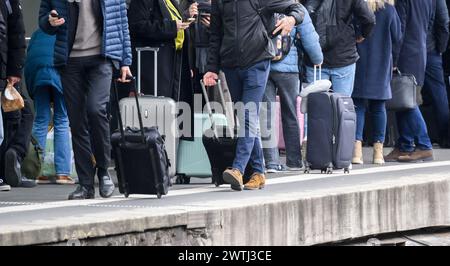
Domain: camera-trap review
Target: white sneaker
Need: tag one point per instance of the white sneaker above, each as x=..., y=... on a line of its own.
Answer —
x=4, y=186
x=294, y=169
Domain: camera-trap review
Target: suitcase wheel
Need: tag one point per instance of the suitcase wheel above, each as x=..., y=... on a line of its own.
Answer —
x=346, y=171
x=329, y=170
x=307, y=170
x=217, y=184
x=159, y=195
x=182, y=179
x=126, y=194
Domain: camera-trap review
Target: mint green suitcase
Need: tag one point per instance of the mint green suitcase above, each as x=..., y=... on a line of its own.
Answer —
x=192, y=158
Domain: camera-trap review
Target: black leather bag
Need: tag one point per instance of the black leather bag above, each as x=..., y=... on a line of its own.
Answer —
x=405, y=92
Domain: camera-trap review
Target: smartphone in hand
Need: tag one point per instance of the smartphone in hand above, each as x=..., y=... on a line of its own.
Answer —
x=189, y=20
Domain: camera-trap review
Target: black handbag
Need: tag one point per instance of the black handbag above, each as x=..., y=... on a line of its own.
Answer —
x=405, y=92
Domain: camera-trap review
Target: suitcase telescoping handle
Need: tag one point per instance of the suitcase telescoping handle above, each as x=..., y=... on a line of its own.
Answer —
x=208, y=106
x=139, y=51
x=119, y=116
x=315, y=73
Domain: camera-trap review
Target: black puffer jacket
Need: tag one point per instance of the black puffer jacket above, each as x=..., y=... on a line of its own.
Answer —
x=342, y=52
x=12, y=40
x=238, y=35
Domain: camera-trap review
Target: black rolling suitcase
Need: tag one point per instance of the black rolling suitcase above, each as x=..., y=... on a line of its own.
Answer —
x=142, y=164
x=220, y=143
x=331, y=132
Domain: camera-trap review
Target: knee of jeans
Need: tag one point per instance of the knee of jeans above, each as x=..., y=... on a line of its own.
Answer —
x=61, y=119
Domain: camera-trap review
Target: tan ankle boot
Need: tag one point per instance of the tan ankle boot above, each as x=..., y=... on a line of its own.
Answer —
x=378, y=153
x=357, y=153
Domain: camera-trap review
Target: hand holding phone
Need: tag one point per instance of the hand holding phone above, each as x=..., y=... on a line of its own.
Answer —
x=181, y=25
x=54, y=19
x=189, y=20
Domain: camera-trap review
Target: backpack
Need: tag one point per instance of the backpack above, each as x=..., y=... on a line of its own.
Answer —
x=325, y=21
x=282, y=44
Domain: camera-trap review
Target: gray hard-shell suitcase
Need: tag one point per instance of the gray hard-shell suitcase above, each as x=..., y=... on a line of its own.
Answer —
x=331, y=132
x=160, y=112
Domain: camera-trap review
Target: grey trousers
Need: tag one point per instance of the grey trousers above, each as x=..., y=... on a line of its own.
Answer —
x=86, y=82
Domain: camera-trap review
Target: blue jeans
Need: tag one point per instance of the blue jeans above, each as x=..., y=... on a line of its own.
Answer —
x=413, y=131
x=287, y=85
x=61, y=126
x=377, y=109
x=435, y=91
x=247, y=87
x=342, y=78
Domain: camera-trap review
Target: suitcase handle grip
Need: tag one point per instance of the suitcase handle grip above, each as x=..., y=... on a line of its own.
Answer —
x=315, y=73
x=139, y=51
x=208, y=106
x=119, y=116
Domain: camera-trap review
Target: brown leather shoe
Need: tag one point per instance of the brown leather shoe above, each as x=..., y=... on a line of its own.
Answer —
x=43, y=180
x=64, y=180
x=234, y=178
x=394, y=155
x=417, y=156
x=257, y=181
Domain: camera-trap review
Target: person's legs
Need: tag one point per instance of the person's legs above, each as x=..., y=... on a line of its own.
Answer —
x=22, y=137
x=43, y=115
x=412, y=127
x=379, y=120
x=250, y=150
x=288, y=89
x=99, y=79
x=360, y=108
x=73, y=77
x=434, y=86
x=343, y=79
x=19, y=137
x=406, y=131
x=268, y=134
x=234, y=176
x=247, y=89
x=62, y=137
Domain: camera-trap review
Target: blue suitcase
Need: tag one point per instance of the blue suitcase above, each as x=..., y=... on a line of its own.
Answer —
x=331, y=132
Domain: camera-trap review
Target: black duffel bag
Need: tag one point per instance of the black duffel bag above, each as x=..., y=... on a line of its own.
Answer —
x=406, y=94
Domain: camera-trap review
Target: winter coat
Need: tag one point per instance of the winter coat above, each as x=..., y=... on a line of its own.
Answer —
x=417, y=19
x=238, y=35
x=12, y=40
x=342, y=51
x=437, y=39
x=116, y=39
x=39, y=65
x=374, y=68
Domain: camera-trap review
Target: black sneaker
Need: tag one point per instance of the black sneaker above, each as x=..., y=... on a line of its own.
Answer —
x=82, y=193
x=13, y=175
x=4, y=186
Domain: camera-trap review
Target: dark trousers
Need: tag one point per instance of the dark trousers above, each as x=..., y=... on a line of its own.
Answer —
x=435, y=93
x=17, y=129
x=86, y=82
